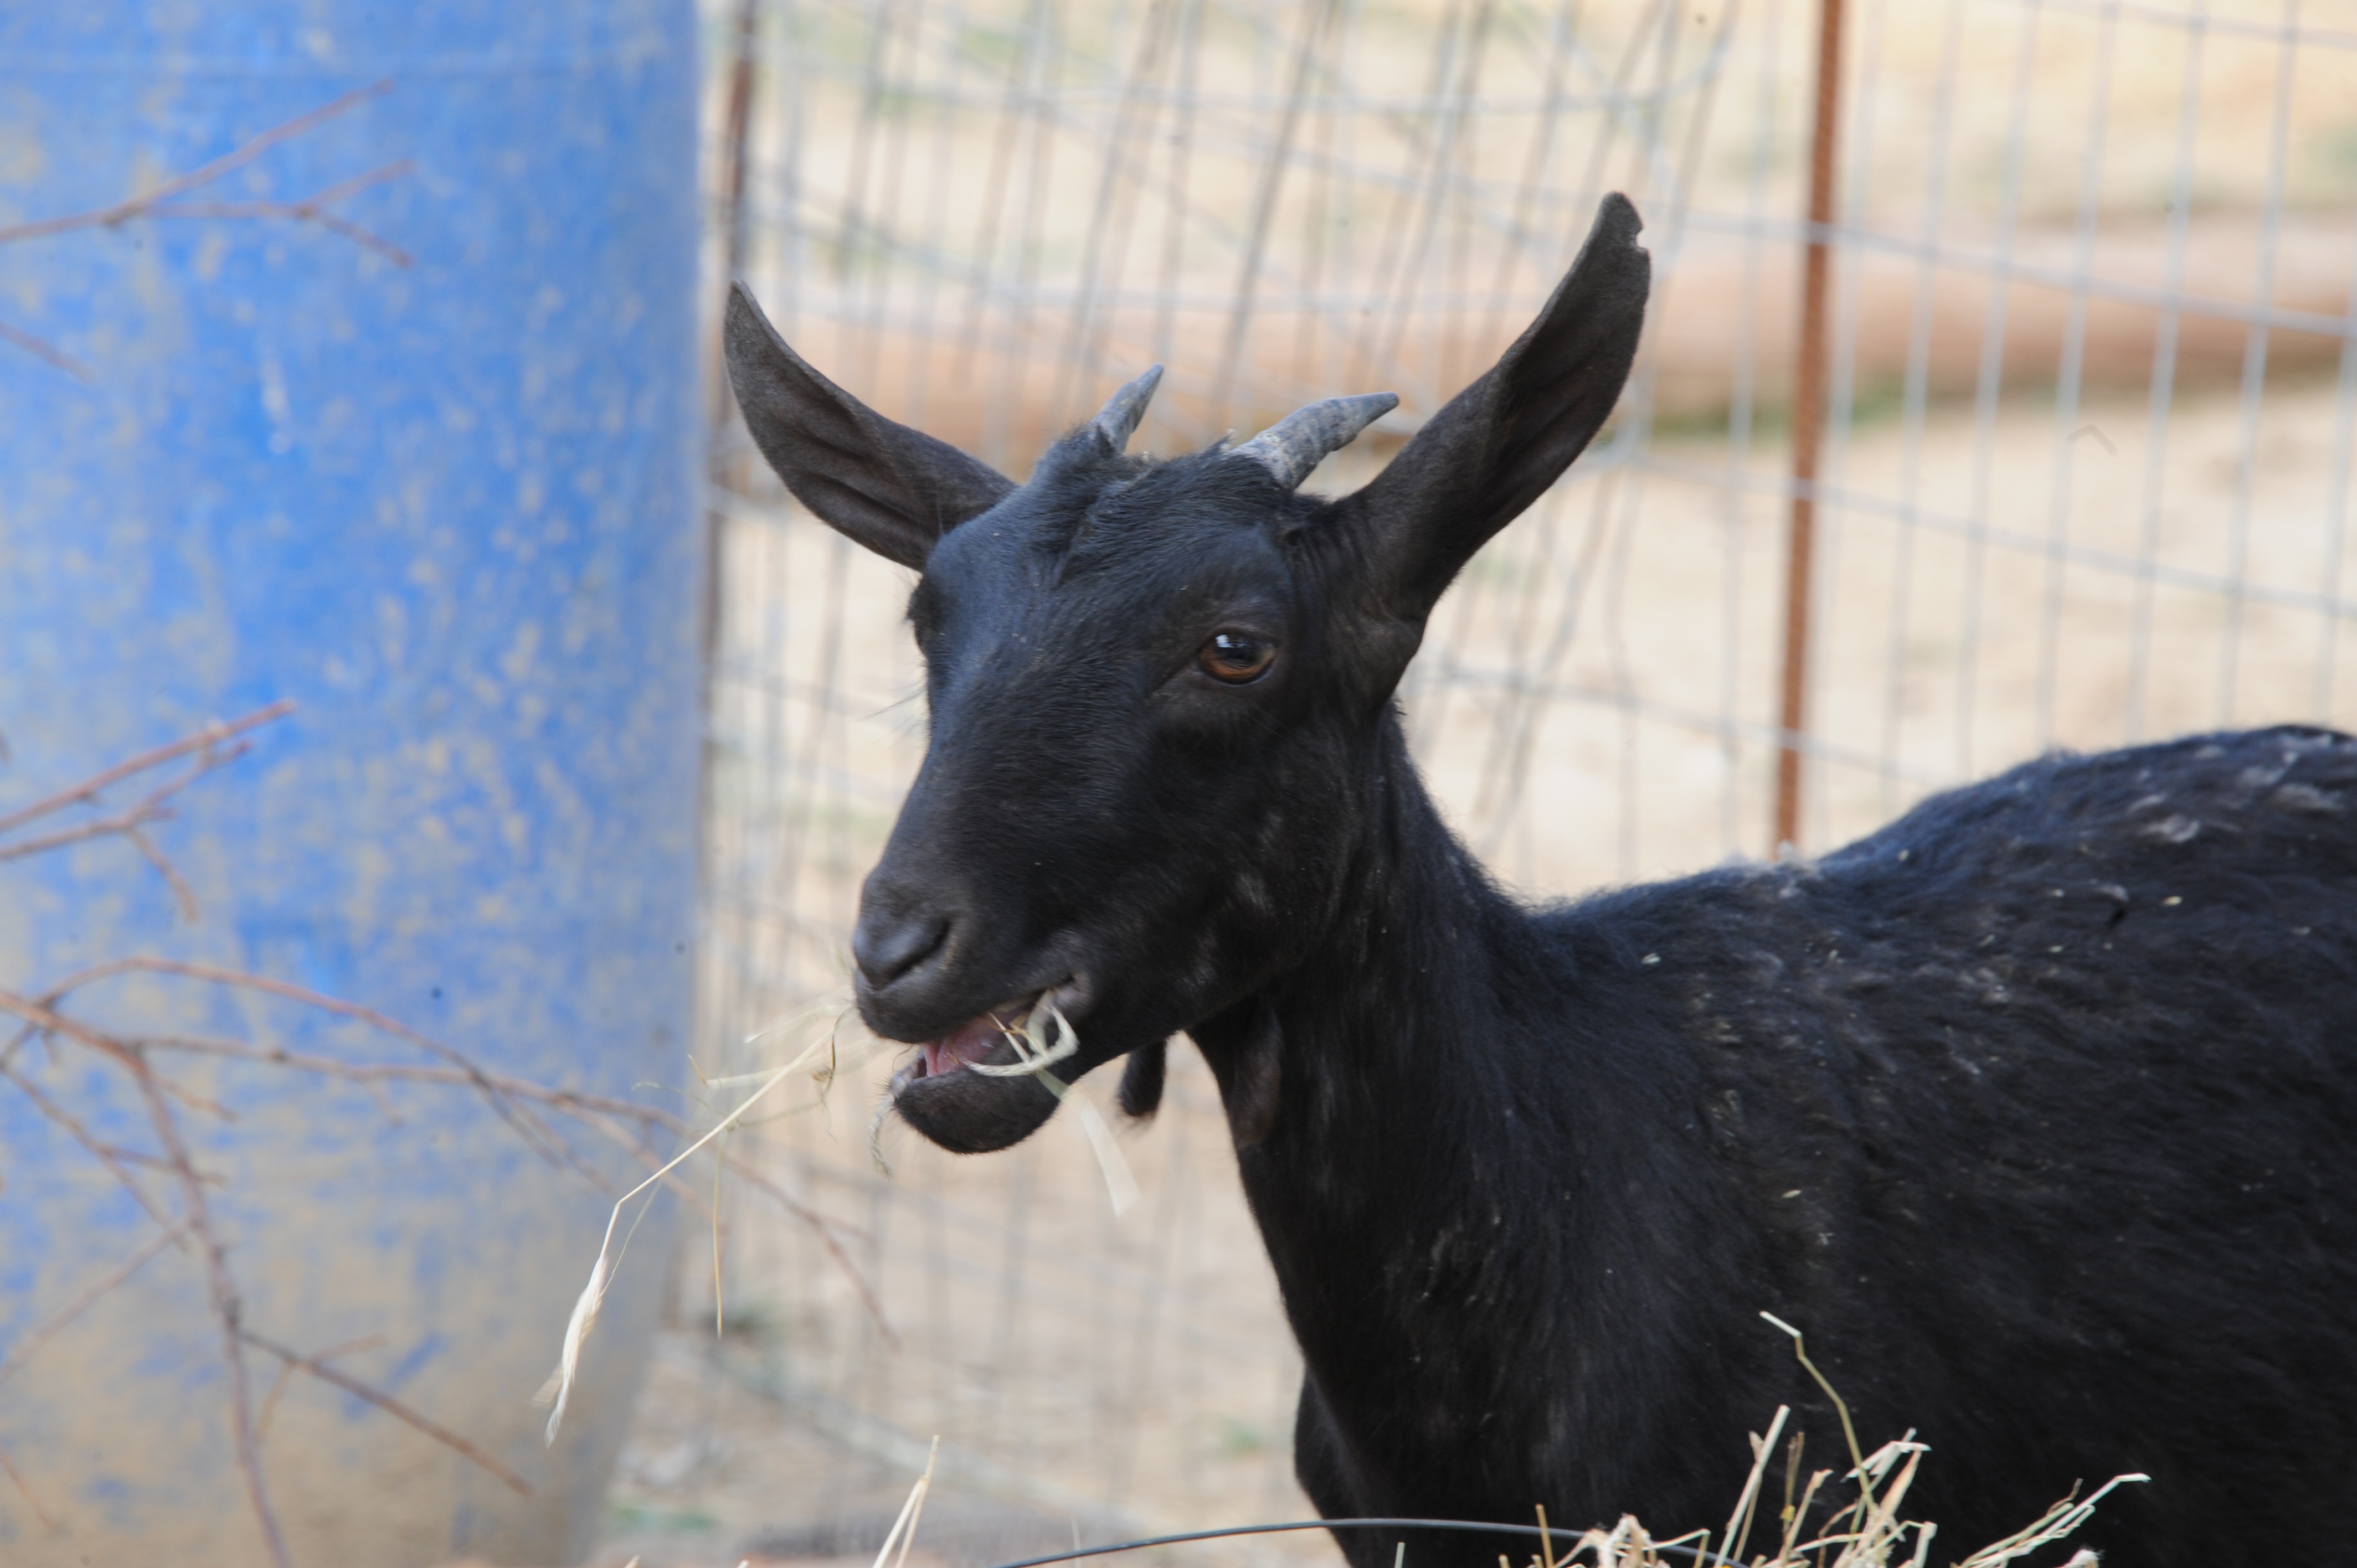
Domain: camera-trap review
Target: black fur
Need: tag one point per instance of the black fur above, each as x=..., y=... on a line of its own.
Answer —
x=2037, y=1111
x=2061, y=1089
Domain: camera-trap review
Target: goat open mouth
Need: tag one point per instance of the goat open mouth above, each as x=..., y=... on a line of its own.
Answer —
x=1006, y=1037
x=975, y=1039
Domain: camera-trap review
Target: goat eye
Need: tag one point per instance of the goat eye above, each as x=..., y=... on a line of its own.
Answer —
x=1235, y=657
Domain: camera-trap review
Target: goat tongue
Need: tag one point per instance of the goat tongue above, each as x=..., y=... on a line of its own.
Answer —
x=969, y=1042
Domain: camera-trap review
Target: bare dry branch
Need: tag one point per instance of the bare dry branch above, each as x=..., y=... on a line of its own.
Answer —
x=25, y=1348
x=130, y=823
x=48, y=1021
x=595, y=1110
x=359, y=236
x=210, y=735
x=138, y=206
x=361, y=182
x=121, y=822
x=167, y=870
x=310, y=209
x=315, y=1367
x=42, y=348
x=535, y=1132
x=376, y=1091
x=161, y=202
x=104, y=1154
x=228, y=1310
x=286, y=1371
x=514, y=1094
x=822, y=1227
x=31, y=1501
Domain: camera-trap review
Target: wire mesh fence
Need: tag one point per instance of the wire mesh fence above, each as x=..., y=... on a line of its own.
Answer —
x=2085, y=479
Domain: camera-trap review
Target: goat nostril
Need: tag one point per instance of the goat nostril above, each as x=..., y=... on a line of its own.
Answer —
x=887, y=949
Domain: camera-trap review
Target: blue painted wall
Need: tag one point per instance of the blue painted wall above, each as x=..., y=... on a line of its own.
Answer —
x=449, y=509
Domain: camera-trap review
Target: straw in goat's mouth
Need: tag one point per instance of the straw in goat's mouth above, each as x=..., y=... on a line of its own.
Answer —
x=975, y=1038
x=1034, y=1025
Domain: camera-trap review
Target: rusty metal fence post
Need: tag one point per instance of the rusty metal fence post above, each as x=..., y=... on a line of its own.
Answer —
x=1808, y=425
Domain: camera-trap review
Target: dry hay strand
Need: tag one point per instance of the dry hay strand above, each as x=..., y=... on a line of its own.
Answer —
x=1868, y=1532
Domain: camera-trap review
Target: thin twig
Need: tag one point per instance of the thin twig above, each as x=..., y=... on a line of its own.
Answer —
x=26, y=1348
x=644, y=1152
x=105, y=1154
x=42, y=348
x=167, y=871
x=307, y=211
x=376, y=1091
x=391, y=1406
x=228, y=1309
x=286, y=1371
x=210, y=735
x=596, y=1110
x=130, y=824
x=530, y=1128
x=136, y=206
x=121, y=822
x=31, y=1501
x=159, y=203
x=359, y=182
x=150, y=808
x=601, y=1113
x=310, y=209
x=90, y=1143
x=50, y=1021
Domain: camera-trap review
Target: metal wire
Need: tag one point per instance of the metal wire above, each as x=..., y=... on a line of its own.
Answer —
x=1239, y=1530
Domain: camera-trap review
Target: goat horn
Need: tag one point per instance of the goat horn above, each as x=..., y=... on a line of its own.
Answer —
x=1302, y=439
x=1118, y=420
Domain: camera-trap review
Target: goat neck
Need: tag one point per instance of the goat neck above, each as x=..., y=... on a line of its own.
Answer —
x=1429, y=1194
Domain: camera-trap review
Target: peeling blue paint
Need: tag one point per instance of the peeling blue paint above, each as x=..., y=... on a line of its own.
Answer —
x=448, y=508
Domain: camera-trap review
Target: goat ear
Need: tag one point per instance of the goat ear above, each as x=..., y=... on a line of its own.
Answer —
x=894, y=489
x=1500, y=443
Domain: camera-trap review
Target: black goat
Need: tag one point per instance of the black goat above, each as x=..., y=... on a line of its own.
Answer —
x=2037, y=1111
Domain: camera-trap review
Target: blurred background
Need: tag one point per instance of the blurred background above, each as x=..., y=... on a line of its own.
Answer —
x=2088, y=404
